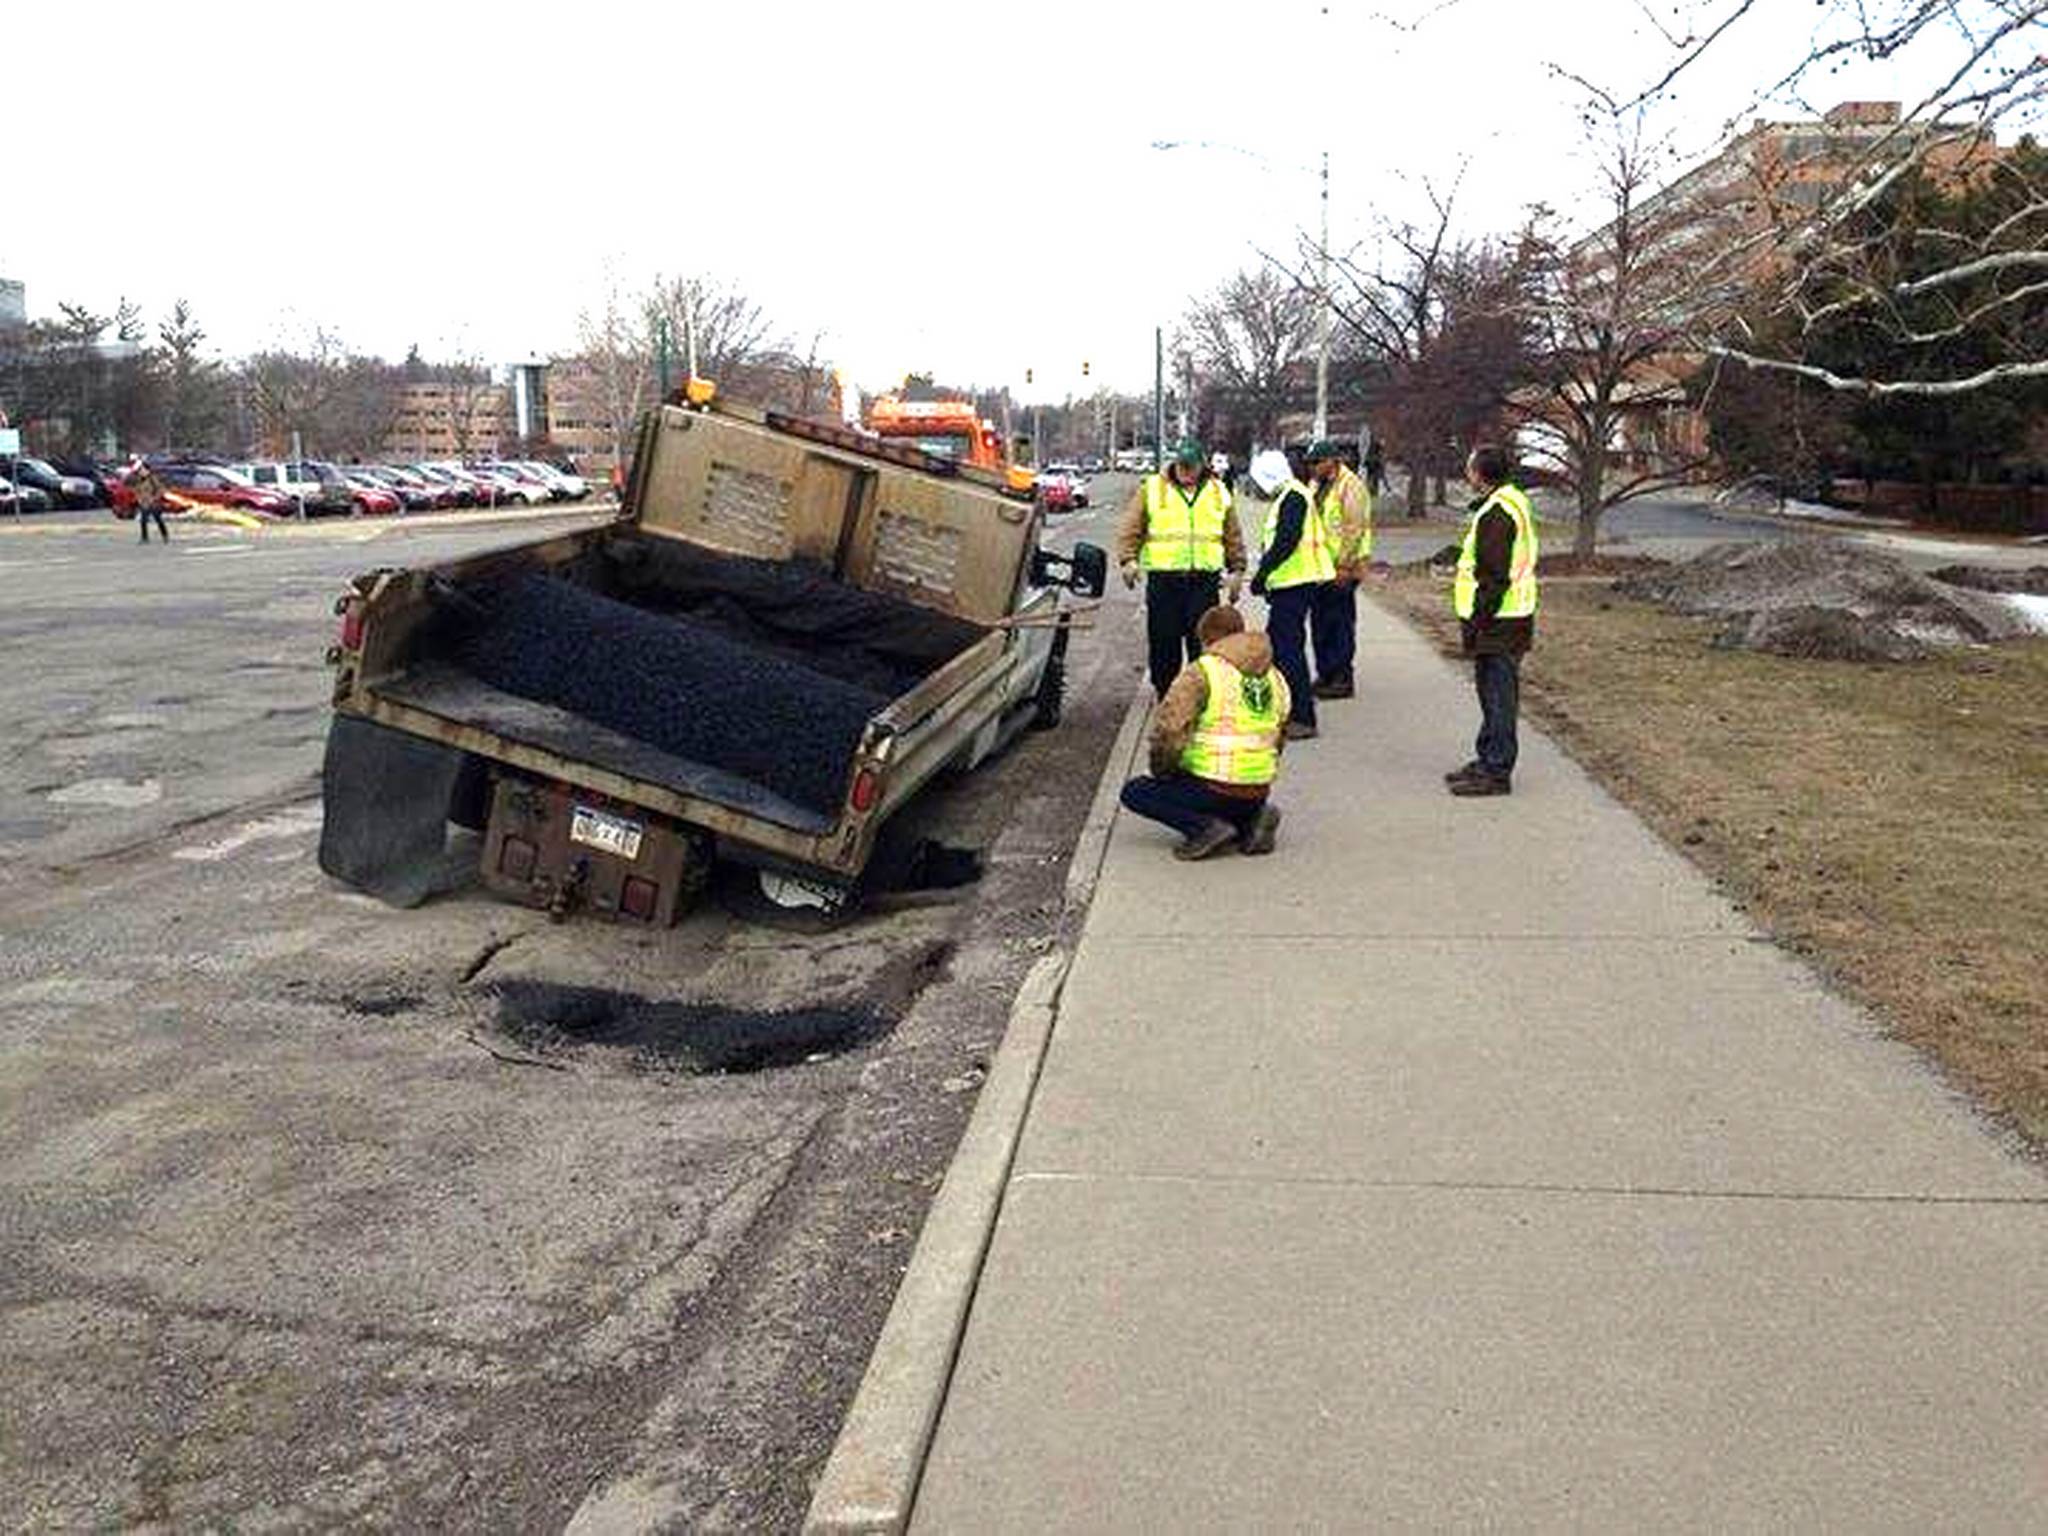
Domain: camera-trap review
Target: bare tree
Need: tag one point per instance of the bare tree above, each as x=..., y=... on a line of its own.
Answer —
x=612, y=380
x=1431, y=320
x=1989, y=71
x=1246, y=337
x=1614, y=318
x=728, y=328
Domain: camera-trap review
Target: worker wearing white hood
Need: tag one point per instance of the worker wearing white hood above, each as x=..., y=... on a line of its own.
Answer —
x=1296, y=563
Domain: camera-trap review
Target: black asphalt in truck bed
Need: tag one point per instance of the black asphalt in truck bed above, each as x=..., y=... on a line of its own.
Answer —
x=673, y=682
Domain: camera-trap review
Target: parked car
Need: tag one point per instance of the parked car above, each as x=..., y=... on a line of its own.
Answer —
x=1054, y=493
x=298, y=482
x=19, y=499
x=411, y=498
x=466, y=491
x=217, y=485
x=565, y=486
x=1077, y=482
x=366, y=497
x=508, y=485
x=62, y=489
x=430, y=493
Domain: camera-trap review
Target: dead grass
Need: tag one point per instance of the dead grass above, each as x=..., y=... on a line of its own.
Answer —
x=1889, y=822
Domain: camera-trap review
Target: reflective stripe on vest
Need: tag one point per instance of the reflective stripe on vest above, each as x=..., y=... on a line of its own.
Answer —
x=1311, y=560
x=1237, y=734
x=1519, y=601
x=1183, y=534
x=1332, y=508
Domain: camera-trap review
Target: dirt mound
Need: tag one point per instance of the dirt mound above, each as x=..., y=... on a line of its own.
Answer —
x=1826, y=598
x=1991, y=578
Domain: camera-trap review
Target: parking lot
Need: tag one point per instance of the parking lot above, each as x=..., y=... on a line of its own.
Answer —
x=316, y=1212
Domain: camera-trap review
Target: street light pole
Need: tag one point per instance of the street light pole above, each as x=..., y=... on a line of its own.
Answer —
x=1158, y=399
x=1323, y=311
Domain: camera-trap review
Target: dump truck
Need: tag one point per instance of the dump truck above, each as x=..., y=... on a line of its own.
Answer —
x=950, y=429
x=789, y=630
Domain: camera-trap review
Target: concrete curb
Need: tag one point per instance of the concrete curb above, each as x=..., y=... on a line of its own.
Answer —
x=870, y=1481
x=1092, y=847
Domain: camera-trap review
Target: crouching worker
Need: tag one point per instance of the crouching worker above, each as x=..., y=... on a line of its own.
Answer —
x=1216, y=742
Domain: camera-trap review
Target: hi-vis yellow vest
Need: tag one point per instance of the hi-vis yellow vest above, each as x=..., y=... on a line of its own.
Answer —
x=1331, y=505
x=1183, y=534
x=1519, y=601
x=1311, y=560
x=1237, y=735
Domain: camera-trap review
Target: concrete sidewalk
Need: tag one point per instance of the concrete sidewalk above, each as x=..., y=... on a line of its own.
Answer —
x=1474, y=1163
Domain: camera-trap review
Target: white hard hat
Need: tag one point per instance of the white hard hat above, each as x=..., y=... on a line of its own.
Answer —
x=1270, y=470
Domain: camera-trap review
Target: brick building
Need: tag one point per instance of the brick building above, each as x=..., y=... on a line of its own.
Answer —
x=450, y=419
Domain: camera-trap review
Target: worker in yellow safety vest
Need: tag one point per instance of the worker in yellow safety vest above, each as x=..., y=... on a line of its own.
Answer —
x=1216, y=742
x=1494, y=597
x=1180, y=529
x=1295, y=563
x=1345, y=506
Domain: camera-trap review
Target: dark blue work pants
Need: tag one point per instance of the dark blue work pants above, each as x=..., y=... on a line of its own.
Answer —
x=1334, y=623
x=1499, y=680
x=1287, y=617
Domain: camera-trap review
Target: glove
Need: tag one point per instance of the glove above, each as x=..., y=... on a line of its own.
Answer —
x=1130, y=570
x=1233, y=589
x=1258, y=586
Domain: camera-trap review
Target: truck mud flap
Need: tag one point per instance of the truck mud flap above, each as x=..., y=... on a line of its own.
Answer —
x=388, y=798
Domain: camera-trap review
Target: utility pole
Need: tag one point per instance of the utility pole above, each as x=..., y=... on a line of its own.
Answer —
x=661, y=354
x=1323, y=310
x=1158, y=399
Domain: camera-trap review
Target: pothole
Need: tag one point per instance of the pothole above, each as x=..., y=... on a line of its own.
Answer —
x=702, y=1038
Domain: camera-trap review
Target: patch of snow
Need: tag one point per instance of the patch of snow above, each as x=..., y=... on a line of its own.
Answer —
x=2032, y=609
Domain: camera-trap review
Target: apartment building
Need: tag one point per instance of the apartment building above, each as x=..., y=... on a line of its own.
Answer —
x=450, y=419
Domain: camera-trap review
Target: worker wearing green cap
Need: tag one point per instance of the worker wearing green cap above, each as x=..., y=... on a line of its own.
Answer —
x=1180, y=529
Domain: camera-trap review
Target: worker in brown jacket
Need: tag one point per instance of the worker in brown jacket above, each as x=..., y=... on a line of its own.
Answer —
x=149, y=500
x=1180, y=529
x=1345, y=505
x=1217, y=737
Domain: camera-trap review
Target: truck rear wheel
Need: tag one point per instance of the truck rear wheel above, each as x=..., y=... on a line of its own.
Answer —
x=1052, y=685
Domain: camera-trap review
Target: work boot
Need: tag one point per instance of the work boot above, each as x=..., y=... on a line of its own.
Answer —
x=1464, y=772
x=1334, y=688
x=1215, y=835
x=1482, y=783
x=1260, y=831
x=1297, y=731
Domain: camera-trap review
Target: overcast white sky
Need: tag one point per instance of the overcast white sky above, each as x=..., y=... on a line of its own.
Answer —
x=968, y=189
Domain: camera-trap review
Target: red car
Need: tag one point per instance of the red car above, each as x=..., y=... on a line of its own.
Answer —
x=371, y=498
x=1055, y=493
x=216, y=486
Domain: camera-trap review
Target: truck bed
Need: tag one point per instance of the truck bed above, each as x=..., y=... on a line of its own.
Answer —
x=745, y=682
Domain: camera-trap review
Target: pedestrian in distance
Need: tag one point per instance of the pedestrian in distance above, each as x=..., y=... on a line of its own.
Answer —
x=1180, y=529
x=1217, y=737
x=1219, y=466
x=1494, y=598
x=149, y=500
x=1345, y=507
x=1375, y=467
x=1296, y=560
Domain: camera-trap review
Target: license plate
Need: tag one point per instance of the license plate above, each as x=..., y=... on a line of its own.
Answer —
x=614, y=834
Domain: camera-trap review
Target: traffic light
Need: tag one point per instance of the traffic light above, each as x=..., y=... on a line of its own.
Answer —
x=1027, y=375
x=1084, y=367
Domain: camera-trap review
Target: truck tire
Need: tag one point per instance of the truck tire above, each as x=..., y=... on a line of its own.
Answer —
x=1052, y=685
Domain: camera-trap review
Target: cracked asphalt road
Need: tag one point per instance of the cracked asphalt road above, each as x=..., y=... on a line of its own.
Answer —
x=296, y=1233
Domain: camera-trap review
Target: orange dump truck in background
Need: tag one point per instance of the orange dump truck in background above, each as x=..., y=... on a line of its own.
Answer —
x=948, y=428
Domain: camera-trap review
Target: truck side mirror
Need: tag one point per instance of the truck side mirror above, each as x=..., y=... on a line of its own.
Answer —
x=1085, y=572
